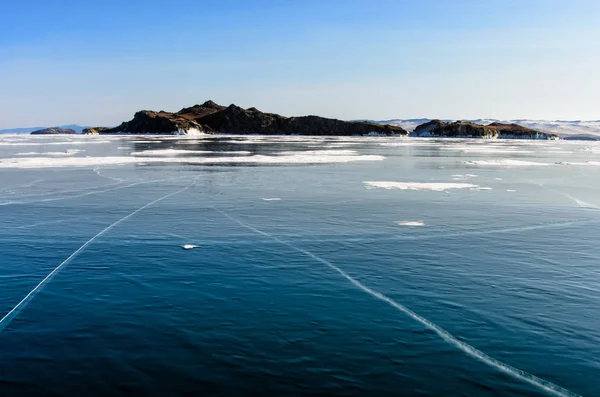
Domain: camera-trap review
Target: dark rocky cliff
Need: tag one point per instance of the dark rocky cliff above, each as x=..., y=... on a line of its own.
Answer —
x=517, y=131
x=464, y=129
x=428, y=128
x=149, y=122
x=314, y=125
x=213, y=118
x=235, y=120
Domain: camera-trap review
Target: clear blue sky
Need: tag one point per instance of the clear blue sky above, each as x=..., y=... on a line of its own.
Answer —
x=97, y=62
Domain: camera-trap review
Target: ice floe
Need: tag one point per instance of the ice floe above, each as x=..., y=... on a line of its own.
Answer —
x=410, y=223
x=435, y=186
x=463, y=177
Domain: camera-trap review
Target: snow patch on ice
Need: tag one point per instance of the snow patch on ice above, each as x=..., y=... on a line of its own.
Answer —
x=68, y=152
x=49, y=162
x=585, y=163
x=332, y=152
x=463, y=177
x=410, y=223
x=168, y=152
x=505, y=163
x=338, y=144
x=483, y=149
x=44, y=143
x=412, y=142
x=434, y=186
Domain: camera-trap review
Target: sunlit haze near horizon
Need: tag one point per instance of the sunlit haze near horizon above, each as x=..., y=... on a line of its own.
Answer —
x=96, y=63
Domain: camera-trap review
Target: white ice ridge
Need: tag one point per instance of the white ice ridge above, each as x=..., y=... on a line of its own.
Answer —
x=97, y=171
x=174, y=152
x=168, y=152
x=248, y=139
x=516, y=373
x=42, y=143
x=68, y=152
x=28, y=184
x=462, y=177
x=435, y=186
x=581, y=203
x=338, y=144
x=484, y=149
x=332, y=152
x=43, y=223
x=410, y=223
x=15, y=310
x=48, y=162
x=505, y=163
x=585, y=163
x=409, y=143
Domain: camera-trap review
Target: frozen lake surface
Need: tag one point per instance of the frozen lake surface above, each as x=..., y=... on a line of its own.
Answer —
x=230, y=265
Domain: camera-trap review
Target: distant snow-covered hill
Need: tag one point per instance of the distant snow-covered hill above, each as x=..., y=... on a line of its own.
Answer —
x=576, y=129
x=566, y=129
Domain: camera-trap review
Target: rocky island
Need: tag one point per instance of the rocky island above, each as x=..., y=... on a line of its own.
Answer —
x=53, y=131
x=210, y=118
x=465, y=129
